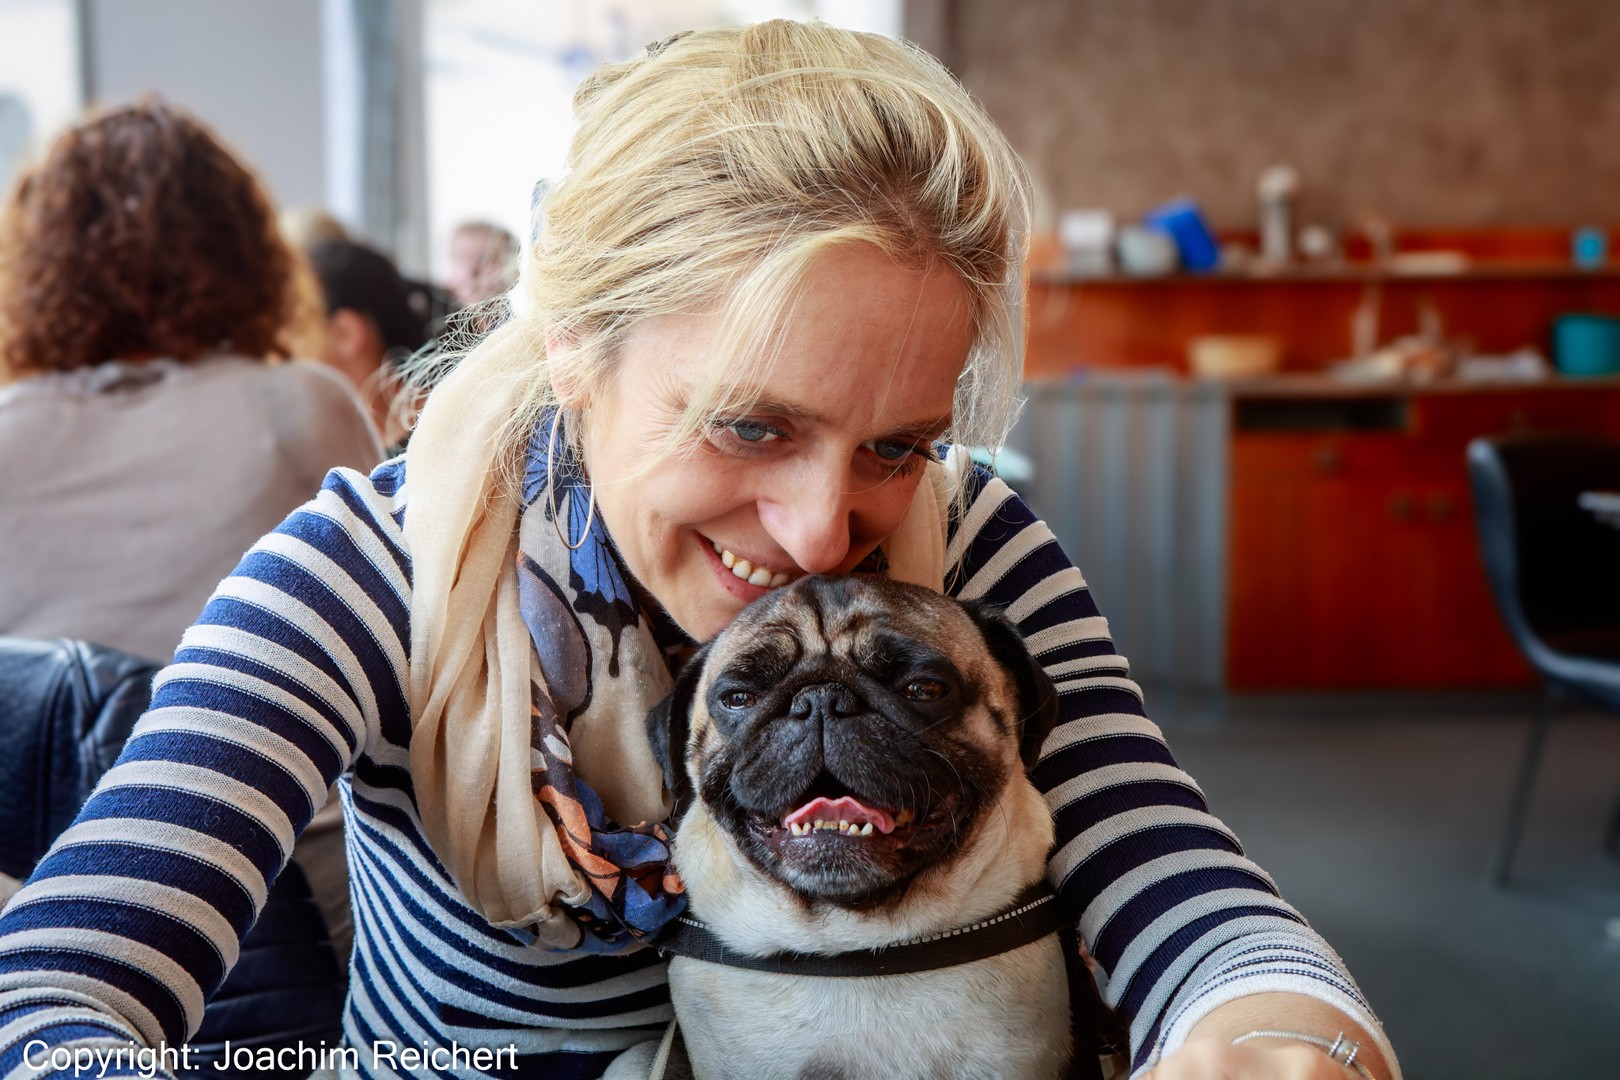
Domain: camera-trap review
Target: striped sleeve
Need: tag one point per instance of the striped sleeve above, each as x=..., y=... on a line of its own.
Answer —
x=133, y=918
x=1179, y=920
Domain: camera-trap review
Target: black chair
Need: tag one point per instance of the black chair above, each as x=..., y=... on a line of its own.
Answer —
x=1555, y=570
x=66, y=709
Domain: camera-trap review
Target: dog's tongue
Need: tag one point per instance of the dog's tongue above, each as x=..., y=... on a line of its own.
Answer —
x=845, y=809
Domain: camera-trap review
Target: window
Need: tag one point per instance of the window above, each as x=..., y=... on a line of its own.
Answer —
x=40, y=92
x=499, y=76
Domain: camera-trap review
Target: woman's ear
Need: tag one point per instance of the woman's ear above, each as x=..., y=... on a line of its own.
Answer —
x=563, y=368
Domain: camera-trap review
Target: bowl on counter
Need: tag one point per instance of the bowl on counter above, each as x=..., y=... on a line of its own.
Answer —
x=1233, y=356
x=1586, y=344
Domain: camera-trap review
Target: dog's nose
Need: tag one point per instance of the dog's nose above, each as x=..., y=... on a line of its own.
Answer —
x=825, y=701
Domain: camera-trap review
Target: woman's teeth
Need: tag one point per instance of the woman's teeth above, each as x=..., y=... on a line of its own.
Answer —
x=754, y=575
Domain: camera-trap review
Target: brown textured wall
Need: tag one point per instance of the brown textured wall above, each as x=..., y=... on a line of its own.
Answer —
x=1430, y=112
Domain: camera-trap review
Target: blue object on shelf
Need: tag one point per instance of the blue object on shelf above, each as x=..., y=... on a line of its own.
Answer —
x=1589, y=247
x=1182, y=219
x=1587, y=344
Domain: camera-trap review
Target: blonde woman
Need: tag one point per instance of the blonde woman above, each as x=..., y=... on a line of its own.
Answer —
x=782, y=269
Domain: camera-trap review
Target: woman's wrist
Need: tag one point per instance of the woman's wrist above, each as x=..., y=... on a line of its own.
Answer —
x=1342, y=1050
x=1295, y=1014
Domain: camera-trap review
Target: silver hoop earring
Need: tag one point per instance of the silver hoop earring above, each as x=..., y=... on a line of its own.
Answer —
x=551, y=492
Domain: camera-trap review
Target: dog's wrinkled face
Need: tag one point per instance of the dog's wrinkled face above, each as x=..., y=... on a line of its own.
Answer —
x=849, y=732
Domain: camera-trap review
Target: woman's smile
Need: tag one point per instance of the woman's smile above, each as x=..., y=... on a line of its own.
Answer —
x=753, y=572
x=820, y=469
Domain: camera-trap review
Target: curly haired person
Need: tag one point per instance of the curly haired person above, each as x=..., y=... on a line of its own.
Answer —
x=147, y=437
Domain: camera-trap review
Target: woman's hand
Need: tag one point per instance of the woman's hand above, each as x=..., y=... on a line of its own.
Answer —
x=1254, y=1059
x=1208, y=1053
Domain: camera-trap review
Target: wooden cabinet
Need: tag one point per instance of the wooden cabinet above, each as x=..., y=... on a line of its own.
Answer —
x=1345, y=524
x=1352, y=555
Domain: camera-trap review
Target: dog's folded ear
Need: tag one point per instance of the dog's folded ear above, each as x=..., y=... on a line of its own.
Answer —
x=668, y=726
x=1037, y=697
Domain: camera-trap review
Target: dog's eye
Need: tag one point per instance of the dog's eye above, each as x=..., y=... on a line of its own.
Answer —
x=925, y=689
x=737, y=699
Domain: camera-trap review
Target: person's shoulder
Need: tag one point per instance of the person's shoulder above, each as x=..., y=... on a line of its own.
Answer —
x=318, y=411
x=381, y=493
x=984, y=495
x=313, y=381
x=356, y=520
x=388, y=479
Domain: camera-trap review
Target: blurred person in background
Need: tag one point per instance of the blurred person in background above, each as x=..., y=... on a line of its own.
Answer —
x=150, y=428
x=305, y=226
x=374, y=319
x=148, y=432
x=483, y=262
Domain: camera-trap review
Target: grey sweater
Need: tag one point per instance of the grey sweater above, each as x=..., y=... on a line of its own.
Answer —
x=129, y=490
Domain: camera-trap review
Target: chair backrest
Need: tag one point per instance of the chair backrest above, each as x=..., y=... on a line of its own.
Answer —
x=1555, y=568
x=66, y=708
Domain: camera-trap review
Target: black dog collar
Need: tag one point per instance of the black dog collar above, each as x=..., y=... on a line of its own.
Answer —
x=1034, y=915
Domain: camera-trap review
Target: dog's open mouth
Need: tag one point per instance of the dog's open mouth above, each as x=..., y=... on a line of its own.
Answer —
x=846, y=814
x=829, y=812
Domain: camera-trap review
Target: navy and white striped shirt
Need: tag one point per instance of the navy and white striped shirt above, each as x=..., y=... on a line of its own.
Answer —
x=296, y=675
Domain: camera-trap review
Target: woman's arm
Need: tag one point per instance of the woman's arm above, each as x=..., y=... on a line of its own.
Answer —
x=133, y=918
x=1179, y=920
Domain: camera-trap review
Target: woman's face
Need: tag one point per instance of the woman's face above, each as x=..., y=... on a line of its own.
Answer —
x=810, y=479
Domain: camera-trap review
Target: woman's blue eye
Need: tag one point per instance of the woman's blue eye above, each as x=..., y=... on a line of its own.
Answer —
x=892, y=451
x=752, y=431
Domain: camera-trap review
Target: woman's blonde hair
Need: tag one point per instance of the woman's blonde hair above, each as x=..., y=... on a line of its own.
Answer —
x=709, y=174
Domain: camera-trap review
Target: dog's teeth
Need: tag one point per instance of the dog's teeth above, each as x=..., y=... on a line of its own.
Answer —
x=742, y=568
x=866, y=830
x=778, y=580
x=718, y=550
x=761, y=576
x=727, y=557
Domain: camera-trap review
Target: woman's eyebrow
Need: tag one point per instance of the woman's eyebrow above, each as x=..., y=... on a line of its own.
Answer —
x=791, y=410
x=932, y=429
x=795, y=411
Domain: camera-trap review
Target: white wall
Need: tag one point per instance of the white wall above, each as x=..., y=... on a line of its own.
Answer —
x=251, y=69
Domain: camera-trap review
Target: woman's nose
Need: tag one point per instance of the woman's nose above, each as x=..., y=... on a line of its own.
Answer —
x=811, y=521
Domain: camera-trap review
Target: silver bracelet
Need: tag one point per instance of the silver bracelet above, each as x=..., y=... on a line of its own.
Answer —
x=1343, y=1049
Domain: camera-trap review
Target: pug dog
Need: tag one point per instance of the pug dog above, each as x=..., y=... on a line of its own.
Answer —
x=848, y=763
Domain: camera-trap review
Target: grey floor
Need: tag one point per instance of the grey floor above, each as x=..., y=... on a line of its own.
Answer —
x=1375, y=815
